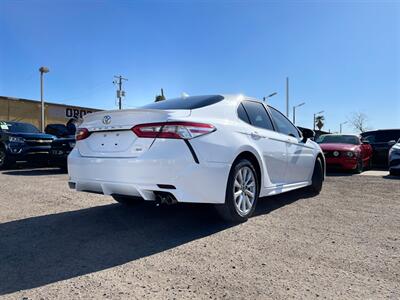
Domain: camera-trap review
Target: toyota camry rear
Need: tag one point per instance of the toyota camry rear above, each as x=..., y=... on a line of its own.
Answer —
x=194, y=149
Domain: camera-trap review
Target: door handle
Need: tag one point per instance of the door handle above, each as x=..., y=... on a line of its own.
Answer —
x=255, y=135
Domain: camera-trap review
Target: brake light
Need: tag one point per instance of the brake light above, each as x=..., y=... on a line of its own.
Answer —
x=81, y=134
x=173, y=130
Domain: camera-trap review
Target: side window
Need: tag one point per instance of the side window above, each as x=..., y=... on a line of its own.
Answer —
x=242, y=114
x=258, y=115
x=283, y=124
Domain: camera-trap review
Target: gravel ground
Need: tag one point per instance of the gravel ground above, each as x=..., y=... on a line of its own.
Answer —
x=56, y=243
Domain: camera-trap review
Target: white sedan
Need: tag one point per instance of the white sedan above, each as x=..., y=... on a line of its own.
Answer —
x=227, y=150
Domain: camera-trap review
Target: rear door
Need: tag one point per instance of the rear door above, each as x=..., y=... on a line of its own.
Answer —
x=271, y=143
x=300, y=157
x=111, y=134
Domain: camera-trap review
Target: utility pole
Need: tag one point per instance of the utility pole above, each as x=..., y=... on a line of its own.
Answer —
x=120, y=92
x=42, y=70
x=287, y=97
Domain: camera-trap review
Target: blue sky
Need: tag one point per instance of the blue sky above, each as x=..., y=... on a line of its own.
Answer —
x=340, y=56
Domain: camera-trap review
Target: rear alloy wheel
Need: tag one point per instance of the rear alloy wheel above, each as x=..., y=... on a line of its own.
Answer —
x=127, y=200
x=317, y=177
x=241, y=193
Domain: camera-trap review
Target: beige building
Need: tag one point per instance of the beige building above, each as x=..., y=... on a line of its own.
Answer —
x=24, y=110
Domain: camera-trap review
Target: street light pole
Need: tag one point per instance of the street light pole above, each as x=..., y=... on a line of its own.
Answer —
x=269, y=96
x=294, y=111
x=341, y=126
x=314, y=118
x=42, y=70
x=287, y=97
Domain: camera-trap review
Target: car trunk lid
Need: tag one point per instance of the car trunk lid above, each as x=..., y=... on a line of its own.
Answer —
x=111, y=134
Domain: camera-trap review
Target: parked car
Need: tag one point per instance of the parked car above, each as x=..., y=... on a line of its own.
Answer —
x=345, y=152
x=22, y=142
x=62, y=146
x=58, y=130
x=381, y=142
x=225, y=150
x=394, y=159
x=60, y=149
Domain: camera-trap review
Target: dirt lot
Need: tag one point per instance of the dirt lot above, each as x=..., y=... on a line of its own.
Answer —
x=56, y=243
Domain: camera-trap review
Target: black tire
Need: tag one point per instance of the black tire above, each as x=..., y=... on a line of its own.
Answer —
x=229, y=210
x=5, y=161
x=369, y=165
x=317, y=177
x=127, y=200
x=359, y=167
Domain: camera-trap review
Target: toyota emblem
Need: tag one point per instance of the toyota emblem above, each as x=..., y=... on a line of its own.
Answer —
x=107, y=119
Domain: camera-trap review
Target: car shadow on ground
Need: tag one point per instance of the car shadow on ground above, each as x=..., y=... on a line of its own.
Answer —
x=339, y=173
x=393, y=177
x=45, y=249
x=34, y=172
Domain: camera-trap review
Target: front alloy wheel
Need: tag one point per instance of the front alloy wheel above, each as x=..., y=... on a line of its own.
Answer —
x=2, y=157
x=241, y=192
x=4, y=161
x=359, y=167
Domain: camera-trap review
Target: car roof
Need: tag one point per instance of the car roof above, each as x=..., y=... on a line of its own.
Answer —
x=380, y=130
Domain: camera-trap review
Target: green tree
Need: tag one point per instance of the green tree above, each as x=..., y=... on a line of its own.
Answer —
x=160, y=97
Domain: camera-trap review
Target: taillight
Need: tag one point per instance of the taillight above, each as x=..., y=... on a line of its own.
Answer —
x=81, y=134
x=172, y=130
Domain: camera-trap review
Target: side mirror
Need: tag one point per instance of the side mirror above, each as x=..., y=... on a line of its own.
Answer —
x=391, y=143
x=307, y=134
x=365, y=142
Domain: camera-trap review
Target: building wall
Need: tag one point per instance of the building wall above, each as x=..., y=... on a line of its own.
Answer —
x=12, y=109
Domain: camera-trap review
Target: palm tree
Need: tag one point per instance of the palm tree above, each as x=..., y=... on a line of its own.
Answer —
x=319, y=121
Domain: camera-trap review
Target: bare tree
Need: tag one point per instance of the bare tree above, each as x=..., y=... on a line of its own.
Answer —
x=359, y=121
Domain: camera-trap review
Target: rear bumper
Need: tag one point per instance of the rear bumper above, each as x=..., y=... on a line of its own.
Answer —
x=196, y=183
x=341, y=163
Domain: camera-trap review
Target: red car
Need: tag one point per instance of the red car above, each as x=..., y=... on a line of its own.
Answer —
x=345, y=152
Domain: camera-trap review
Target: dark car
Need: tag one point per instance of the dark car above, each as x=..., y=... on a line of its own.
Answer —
x=60, y=148
x=22, y=142
x=381, y=142
x=63, y=145
x=59, y=130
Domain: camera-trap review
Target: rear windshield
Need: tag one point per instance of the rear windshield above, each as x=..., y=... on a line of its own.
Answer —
x=15, y=127
x=338, y=139
x=191, y=102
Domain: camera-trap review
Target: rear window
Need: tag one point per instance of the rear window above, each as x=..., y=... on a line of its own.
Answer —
x=191, y=102
x=258, y=115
